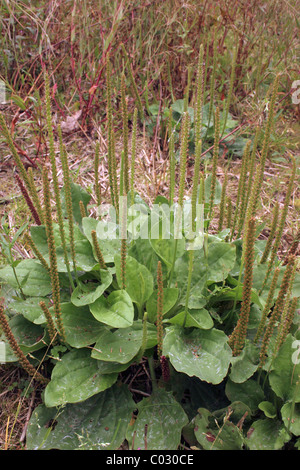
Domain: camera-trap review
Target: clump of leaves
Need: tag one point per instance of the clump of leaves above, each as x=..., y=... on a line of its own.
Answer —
x=138, y=286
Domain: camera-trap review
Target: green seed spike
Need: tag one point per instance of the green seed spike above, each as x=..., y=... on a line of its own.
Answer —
x=122, y=183
x=82, y=209
x=282, y=221
x=271, y=234
x=212, y=80
x=110, y=150
x=133, y=154
x=240, y=206
x=258, y=181
x=97, y=185
x=98, y=251
x=183, y=156
x=196, y=177
x=172, y=166
x=268, y=305
x=238, y=337
x=279, y=306
x=215, y=161
x=54, y=173
x=288, y=320
x=187, y=91
x=243, y=183
x=35, y=250
x=185, y=128
x=50, y=323
x=123, y=235
x=69, y=208
x=201, y=198
x=52, y=254
x=125, y=133
x=252, y=162
x=287, y=314
x=269, y=125
x=199, y=103
x=160, y=301
x=206, y=67
x=222, y=203
x=114, y=173
x=294, y=246
x=228, y=212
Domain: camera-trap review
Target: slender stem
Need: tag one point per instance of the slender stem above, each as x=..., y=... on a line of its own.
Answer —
x=173, y=263
x=188, y=290
x=19, y=285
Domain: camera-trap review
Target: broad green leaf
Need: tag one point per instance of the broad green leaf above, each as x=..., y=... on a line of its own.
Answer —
x=98, y=423
x=159, y=423
x=195, y=318
x=267, y=434
x=78, y=193
x=268, y=408
x=178, y=107
x=249, y=392
x=143, y=252
x=214, y=266
x=244, y=365
x=165, y=249
x=86, y=294
x=291, y=417
x=108, y=246
x=81, y=328
x=235, y=293
x=84, y=257
x=220, y=260
x=76, y=378
x=259, y=273
x=139, y=281
x=30, y=308
x=170, y=296
x=106, y=367
x=30, y=337
x=203, y=353
x=123, y=344
x=224, y=436
x=285, y=372
x=32, y=276
x=39, y=236
x=116, y=310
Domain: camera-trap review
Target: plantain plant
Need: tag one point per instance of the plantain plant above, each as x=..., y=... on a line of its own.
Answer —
x=211, y=318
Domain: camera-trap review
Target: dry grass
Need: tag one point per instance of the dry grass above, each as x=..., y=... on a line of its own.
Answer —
x=18, y=398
